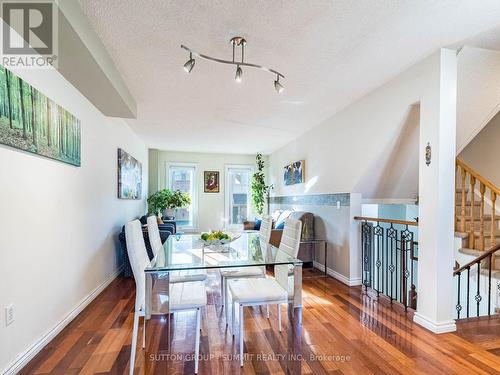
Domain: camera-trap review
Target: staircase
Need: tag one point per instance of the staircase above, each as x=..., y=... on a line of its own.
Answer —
x=476, y=222
x=476, y=218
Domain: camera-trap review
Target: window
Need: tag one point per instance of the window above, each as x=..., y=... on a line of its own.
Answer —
x=238, y=207
x=182, y=177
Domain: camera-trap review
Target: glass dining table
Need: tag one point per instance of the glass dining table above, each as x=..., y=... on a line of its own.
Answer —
x=187, y=253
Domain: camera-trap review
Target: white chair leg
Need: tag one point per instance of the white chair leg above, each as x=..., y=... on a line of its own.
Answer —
x=267, y=311
x=225, y=302
x=279, y=316
x=197, y=344
x=222, y=290
x=144, y=333
x=233, y=316
x=241, y=335
x=134, y=343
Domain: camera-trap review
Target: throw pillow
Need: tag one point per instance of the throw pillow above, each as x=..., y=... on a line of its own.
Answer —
x=258, y=222
x=280, y=225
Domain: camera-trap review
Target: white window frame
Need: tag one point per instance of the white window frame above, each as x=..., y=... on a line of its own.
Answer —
x=194, y=198
x=227, y=205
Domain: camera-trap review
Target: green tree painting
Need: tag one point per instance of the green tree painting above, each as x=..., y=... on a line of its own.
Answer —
x=32, y=122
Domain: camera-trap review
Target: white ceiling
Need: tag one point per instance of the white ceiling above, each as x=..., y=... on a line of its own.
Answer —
x=332, y=53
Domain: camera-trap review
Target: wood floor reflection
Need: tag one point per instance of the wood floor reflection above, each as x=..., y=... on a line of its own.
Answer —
x=344, y=331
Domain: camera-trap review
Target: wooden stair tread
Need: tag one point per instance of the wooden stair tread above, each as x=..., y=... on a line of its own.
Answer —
x=468, y=204
x=474, y=252
x=487, y=234
x=486, y=217
x=461, y=235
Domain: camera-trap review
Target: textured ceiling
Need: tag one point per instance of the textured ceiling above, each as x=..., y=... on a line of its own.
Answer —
x=332, y=53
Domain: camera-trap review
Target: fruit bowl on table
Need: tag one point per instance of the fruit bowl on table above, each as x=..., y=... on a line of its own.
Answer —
x=216, y=238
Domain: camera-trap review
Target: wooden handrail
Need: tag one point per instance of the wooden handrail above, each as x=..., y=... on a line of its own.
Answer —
x=478, y=259
x=402, y=222
x=478, y=177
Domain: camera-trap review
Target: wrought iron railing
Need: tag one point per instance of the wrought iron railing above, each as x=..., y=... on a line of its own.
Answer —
x=389, y=259
x=478, y=275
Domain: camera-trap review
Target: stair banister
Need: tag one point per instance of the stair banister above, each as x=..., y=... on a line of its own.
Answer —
x=484, y=184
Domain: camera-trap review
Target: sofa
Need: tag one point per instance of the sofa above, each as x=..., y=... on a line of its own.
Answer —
x=278, y=218
x=166, y=229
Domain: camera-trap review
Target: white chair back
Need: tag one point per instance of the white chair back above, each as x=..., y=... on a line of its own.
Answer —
x=154, y=234
x=265, y=229
x=290, y=240
x=289, y=247
x=139, y=259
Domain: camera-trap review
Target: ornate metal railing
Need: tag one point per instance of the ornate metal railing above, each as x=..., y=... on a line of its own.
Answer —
x=389, y=259
x=481, y=266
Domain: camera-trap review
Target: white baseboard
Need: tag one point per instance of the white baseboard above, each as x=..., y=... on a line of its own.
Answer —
x=436, y=327
x=343, y=279
x=23, y=358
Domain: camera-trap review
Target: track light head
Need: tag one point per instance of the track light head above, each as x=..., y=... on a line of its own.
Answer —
x=189, y=65
x=278, y=86
x=239, y=74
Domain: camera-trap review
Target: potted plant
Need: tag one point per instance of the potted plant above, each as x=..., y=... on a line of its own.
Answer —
x=167, y=200
x=260, y=191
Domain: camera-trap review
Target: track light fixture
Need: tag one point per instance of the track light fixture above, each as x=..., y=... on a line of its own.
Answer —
x=237, y=41
x=238, y=75
x=278, y=86
x=188, y=66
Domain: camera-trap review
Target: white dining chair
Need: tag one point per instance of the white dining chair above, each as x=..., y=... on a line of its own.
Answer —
x=266, y=291
x=156, y=245
x=249, y=272
x=188, y=296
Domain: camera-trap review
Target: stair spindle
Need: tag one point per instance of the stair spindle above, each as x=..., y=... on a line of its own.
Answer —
x=493, y=219
x=482, y=189
x=471, y=233
x=463, y=173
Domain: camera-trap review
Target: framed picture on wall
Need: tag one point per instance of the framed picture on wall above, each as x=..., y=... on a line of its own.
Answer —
x=294, y=173
x=32, y=122
x=129, y=176
x=211, y=181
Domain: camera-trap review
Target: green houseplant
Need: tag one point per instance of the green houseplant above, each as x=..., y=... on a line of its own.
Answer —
x=167, y=199
x=260, y=191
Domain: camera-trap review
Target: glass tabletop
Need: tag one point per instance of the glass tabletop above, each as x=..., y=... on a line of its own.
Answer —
x=185, y=252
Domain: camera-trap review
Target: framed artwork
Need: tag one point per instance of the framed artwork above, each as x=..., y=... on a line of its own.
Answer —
x=211, y=181
x=294, y=173
x=129, y=176
x=31, y=122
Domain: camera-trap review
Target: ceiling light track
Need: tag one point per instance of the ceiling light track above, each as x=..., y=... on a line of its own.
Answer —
x=236, y=42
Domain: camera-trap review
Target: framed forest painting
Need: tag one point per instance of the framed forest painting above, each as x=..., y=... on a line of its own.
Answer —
x=34, y=123
x=129, y=176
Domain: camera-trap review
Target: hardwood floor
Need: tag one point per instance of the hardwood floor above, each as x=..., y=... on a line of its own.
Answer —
x=344, y=331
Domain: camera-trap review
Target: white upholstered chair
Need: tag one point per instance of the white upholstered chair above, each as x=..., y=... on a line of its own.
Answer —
x=189, y=296
x=156, y=245
x=249, y=272
x=266, y=291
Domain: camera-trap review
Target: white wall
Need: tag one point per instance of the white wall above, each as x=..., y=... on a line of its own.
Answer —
x=59, y=223
x=211, y=214
x=478, y=98
x=353, y=151
x=483, y=152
